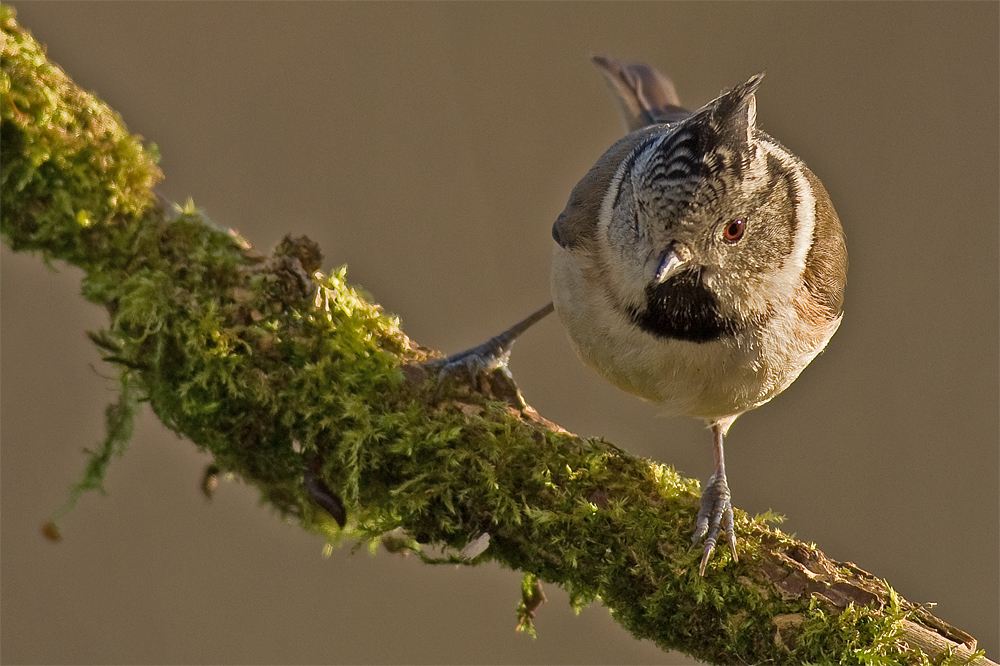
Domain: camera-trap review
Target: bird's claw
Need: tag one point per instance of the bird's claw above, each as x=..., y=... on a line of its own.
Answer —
x=487, y=357
x=714, y=516
x=473, y=362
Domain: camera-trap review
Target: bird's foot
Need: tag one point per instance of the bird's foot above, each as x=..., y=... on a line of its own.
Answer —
x=714, y=517
x=487, y=357
x=473, y=363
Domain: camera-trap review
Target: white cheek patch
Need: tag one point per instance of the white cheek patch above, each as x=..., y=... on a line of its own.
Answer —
x=805, y=213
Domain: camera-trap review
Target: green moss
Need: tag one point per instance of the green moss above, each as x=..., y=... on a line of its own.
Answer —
x=266, y=364
x=63, y=137
x=119, y=418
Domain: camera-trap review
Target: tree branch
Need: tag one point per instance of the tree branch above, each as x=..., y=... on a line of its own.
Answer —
x=284, y=374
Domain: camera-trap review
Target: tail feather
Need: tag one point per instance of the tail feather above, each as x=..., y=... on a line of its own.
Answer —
x=644, y=95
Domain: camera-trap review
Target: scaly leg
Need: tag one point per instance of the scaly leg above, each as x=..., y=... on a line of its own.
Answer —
x=488, y=356
x=716, y=513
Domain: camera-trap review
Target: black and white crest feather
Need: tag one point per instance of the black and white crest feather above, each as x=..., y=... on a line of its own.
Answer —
x=697, y=159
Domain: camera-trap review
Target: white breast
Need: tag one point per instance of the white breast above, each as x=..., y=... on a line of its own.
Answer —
x=713, y=381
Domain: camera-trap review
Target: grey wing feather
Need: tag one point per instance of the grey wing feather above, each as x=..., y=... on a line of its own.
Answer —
x=644, y=95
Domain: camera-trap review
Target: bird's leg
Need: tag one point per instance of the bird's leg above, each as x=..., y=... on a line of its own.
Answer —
x=488, y=356
x=716, y=513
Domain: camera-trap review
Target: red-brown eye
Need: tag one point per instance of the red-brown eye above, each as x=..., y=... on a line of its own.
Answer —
x=734, y=230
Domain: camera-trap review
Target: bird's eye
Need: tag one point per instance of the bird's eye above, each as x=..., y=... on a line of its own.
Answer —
x=734, y=230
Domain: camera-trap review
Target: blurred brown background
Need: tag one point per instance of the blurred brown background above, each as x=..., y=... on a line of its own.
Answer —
x=429, y=147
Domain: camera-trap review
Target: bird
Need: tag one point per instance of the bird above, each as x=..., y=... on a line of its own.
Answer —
x=698, y=265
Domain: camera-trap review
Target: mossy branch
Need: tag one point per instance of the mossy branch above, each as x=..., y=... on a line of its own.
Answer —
x=270, y=366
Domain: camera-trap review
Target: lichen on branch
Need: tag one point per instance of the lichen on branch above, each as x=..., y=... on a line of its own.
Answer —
x=275, y=368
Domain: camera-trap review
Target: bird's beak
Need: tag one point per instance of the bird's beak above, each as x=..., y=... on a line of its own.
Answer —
x=672, y=261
